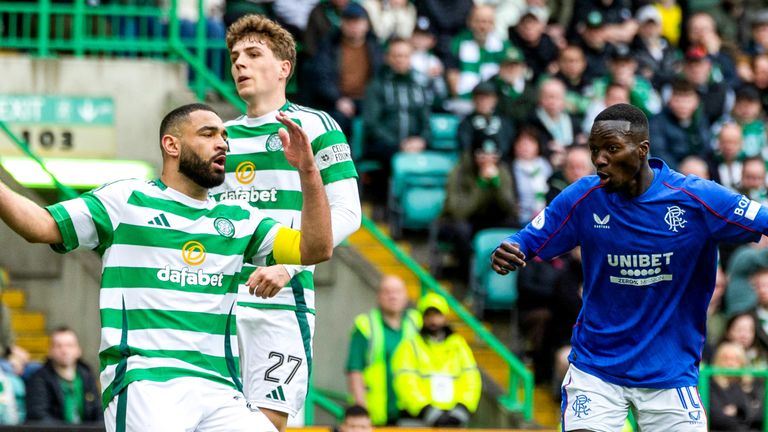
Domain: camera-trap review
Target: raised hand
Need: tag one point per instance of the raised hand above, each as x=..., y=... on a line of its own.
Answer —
x=296, y=145
x=507, y=258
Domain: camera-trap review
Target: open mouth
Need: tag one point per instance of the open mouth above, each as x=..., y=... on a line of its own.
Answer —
x=219, y=162
x=242, y=79
x=603, y=177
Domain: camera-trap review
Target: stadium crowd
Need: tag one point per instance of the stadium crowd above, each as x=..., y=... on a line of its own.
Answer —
x=524, y=79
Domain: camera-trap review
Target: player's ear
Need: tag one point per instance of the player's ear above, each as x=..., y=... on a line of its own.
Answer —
x=644, y=147
x=171, y=145
x=285, y=69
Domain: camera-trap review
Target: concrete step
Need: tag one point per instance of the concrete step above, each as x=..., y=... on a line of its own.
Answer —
x=23, y=321
x=36, y=343
x=14, y=298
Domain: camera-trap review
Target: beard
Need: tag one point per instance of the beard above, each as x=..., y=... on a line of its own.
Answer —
x=198, y=170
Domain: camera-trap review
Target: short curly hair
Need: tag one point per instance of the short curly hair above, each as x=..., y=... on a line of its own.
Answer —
x=277, y=38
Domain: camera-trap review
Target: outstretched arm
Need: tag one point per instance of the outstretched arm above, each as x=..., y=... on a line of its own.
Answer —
x=27, y=219
x=316, y=236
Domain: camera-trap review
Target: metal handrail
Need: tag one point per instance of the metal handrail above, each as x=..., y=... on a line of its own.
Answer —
x=707, y=372
x=517, y=370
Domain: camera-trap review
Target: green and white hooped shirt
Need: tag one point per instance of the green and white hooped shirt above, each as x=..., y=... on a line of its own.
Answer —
x=169, y=278
x=258, y=173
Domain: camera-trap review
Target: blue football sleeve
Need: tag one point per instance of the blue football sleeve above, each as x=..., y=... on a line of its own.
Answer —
x=553, y=231
x=729, y=216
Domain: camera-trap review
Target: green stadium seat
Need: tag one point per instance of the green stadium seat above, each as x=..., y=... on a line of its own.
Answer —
x=491, y=290
x=417, y=189
x=444, y=129
x=357, y=147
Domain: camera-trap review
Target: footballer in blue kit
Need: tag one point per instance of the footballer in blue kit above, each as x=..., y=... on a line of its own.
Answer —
x=648, y=237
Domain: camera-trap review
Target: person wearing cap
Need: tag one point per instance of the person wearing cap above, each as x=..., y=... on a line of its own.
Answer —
x=622, y=69
x=485, y=118
x=391, y=18
x=516, y=91
x=344, y=64
x=375, y=336
x=479, y=193
x=437, y=380
x=538, y=48
x=593, y=39
x=716, y=96
x=617, y=19
x=656, y=57
x=680, y=130
x=447, y=19
x=475, y=53
x=428, y=66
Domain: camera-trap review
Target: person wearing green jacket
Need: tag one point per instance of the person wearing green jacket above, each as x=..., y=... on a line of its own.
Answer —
x=437, y=381
x=375, y=336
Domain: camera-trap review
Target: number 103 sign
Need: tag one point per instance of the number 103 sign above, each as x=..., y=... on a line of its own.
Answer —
x=60, y=126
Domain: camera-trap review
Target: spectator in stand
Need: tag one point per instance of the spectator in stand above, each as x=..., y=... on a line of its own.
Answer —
x=694, y=165
x=617, y=15
x=593, y=40
x=64, y=390
x=727, y=163
x=749, y=114
x=577, y=165
x=656, y=57
x=571, y=66
x=531, y=171
x=671, y=20
x=356, y=419
x=729, y=404
x=448, y=18
x=679, y=130
x=622, y=69
x=391, y=18
x=742, y=329
x=517, y=94
x=375, y=337
x=395, y=112
x=436, y=377
x=428, y=67
x=485, y=119
x=701, y=31
x=558, y=128
x=760, y=77
x=743, y=263
x=342, y=67
x=293, y=15
x=759, y=282
x=323, y=20
x=539, y=50
x=614, y=94
x=475, y=53
x=479, y=194
x=716, y=97
x=716, y=318
x=758, y=42
x=753, y=181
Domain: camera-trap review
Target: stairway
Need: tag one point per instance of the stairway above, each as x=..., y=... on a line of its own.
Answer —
x=29, y=326
x=546, y=412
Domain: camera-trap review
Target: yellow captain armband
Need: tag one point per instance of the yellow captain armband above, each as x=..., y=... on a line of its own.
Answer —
x=287, y=246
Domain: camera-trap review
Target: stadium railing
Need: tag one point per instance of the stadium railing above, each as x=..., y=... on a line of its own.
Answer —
x=706, y=373
x=520, y=378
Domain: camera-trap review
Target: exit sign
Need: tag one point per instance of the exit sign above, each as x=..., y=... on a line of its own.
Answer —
x=60, y=126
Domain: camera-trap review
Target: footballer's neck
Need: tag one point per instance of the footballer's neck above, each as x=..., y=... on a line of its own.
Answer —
x=261, y=104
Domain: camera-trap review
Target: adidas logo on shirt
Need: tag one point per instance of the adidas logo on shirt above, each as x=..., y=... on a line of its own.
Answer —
x=160, y=221
x=277, y=394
